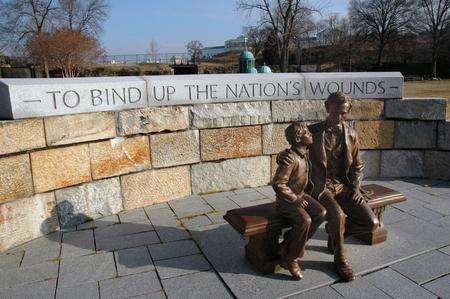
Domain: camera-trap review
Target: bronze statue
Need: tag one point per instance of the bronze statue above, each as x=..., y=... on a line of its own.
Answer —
x=300, y=210
x=336, y=174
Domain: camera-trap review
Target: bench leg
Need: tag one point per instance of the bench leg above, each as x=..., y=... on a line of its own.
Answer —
x=379, y=235
x=262, y=251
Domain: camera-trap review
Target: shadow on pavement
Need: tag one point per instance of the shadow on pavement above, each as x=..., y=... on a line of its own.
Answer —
x=218, y=242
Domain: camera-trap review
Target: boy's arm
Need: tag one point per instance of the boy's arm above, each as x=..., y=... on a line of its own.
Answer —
x=281, y=179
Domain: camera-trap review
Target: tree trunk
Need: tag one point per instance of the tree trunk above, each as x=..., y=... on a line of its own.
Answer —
x=434, y=56
x=434, y=63
x=46, y=70
x=380, y=54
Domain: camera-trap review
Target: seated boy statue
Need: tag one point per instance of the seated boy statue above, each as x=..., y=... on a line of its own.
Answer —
x=301, y=211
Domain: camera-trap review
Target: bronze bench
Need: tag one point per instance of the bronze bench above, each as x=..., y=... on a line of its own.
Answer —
x=263, y=226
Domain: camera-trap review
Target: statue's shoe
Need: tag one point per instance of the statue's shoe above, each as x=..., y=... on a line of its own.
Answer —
x=344, y=270
x=294, y=269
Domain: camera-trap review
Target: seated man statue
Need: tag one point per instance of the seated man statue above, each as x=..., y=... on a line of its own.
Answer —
x=336, y=174
x=301, y=211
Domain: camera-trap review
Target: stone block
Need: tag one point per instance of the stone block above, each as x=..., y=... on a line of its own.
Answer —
x=437, y=165
x=86, y=269
x=176, y=148
x=122, y=229
x=189, y=206
x=173, y=249
x=425, y=267
x=300, y=110
x=444, y=135
x=27, y=98
x=207, y=285
x=150, y=120
x=127, y=241
x=359, y=289
x=130, y=286
x=88, y=201
x=21, y=135
x=101, y=222
x=21, y=277
x=372, y=161
x=60, y=167
x=119, y=156
x=26, y=219
x=181, y=266
x=230, y=114
x=88, y=290
x=77, y=243
x=220, y=201
x=395, y=285
x=440, y=287
x=415, y=134
x=375, y=134
x=162, y=218
x=412, y=108
x=77, y=128
x=320, y=293
x=273, y=165
x=195, y=222
x=133, y=260
x=402, y=163
x=41, y=289
x=358, y=85
x=15, y=177
x=40, y=250
x=155, y=186
x=136, y=216
x=366, y=110
x=230, y=174
x=237, y=142
x=273, y=140
x=173, y=234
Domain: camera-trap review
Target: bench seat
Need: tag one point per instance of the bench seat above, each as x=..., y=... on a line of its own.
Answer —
x=263, y=226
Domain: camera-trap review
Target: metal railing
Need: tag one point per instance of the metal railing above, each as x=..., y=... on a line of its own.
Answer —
x=131, y=59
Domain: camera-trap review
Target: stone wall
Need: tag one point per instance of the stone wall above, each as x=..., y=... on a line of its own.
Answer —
x=57, y=172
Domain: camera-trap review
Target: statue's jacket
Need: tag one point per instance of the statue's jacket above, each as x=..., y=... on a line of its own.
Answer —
x=352, y=159
x=291, y=179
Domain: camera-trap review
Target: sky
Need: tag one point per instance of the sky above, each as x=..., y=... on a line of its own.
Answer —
x=173, y=23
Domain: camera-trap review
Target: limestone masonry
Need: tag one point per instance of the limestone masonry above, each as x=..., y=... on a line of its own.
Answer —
x=24, y=98
x=57, y=172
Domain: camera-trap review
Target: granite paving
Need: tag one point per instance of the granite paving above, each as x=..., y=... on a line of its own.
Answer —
x=184, y=249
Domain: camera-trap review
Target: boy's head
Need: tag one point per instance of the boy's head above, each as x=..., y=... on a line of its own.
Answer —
x=337, y=105
x=298, y=133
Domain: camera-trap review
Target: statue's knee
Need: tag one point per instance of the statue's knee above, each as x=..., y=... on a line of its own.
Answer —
x=340, y=216
x=374, y=223
x=322, y=215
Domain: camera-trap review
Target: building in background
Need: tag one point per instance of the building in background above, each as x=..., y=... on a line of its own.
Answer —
x=235, y=44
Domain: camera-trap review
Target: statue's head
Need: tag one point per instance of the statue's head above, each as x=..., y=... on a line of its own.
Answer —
x=297, y=133
x=338, y=105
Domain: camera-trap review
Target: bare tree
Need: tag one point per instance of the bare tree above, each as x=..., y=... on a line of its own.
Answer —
x=84, y=15
x=21, y=21
x=153, y=49
x=256, y=38
x=337, y=33
x=69, y=51
x=434, y=19
x=194, y=49
x=381, y=20
x=283, y=16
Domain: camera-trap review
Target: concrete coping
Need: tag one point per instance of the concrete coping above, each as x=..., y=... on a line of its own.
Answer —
x=25, y=98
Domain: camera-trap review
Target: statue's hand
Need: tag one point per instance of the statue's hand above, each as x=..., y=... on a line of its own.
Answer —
x=285, y=158
x=303, y=203
x=357, y=197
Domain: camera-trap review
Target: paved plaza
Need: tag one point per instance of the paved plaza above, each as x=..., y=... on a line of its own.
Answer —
x=184, y=249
